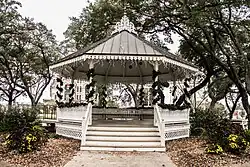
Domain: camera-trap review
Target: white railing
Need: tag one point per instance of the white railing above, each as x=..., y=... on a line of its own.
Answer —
x=175, y=116
x=69, y=121
x=172, y=124
x=71, y=113
x=86, y=120
x=159, y=121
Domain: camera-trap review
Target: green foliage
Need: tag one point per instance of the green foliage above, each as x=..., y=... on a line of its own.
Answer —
x=27, y=49
x=25, y=132
x=14, y=118
x=97, y=21
x=221, y=134
x=212, y=125
x=214, y=149
x=26, y=138
x=246, y=135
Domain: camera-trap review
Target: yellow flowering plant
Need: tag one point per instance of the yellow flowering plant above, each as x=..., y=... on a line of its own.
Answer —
x=237, y=143
x=214, y=149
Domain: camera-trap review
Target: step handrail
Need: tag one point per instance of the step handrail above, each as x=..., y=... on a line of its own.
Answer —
x=160, y=123
x=86, y=120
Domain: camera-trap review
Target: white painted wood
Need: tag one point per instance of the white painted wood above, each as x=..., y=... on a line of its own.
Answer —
x=122, y=144
x=161, y=125
x=158, y=149
x=176, y=116
x=85, y=123
x=126, y=129
x=73, y=113
x=104, y=133
x=123, y=138
x=70, y=126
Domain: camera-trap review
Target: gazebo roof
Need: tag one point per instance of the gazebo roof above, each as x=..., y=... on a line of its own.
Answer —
x=124, y=45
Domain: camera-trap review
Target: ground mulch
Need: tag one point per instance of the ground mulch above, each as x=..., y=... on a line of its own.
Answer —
x=56, y=153
x=190, y=152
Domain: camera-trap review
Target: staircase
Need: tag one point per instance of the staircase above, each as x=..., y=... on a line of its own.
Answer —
x=123, y=138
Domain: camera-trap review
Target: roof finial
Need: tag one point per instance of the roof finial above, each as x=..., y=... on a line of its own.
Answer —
x=124, y=24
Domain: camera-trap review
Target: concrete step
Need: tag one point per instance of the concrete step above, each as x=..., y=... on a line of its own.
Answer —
x=120, y=133
x=93, y=148
x=123, y=129
x=122, y=144
x=123, y=138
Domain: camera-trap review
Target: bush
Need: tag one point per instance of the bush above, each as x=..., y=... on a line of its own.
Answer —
x=14, y=118
x=2, y=115
x=221, y=133
x=25, y=132
x=246, y=135
x=211, y=125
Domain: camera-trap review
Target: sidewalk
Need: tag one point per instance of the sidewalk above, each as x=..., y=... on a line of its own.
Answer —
x=120, y=159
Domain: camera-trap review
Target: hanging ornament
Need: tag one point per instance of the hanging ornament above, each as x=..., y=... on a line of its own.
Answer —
x=72, y=92
x=141, y=96
x=157, y=92
x=91, y=86
x=103, y=96
x=59, y=92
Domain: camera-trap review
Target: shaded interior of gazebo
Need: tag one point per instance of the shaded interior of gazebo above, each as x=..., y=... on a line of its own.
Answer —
x=122, y=57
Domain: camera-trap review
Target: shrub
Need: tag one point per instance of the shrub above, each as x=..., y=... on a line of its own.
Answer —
x=211, y=125
x=2, y=115
x=15, y=117
x=25, y=132
x=246, y=135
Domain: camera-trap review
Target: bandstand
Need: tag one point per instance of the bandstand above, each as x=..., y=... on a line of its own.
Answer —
x=122, y=57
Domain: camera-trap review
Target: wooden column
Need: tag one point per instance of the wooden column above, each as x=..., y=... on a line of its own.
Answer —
x=156, y=68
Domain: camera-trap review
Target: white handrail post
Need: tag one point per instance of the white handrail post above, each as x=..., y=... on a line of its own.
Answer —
x=83, y=132
x=161, y=125
x=85, y=122
x=90, y=116
x=155, y=116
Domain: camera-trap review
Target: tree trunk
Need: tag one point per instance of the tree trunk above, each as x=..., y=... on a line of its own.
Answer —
x=212, y=105
x=245, y=103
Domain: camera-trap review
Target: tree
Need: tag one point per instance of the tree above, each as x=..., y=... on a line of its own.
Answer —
x=216, y=33
x=97, y=21
x=39, y=51
x=9, y=72
x=27, y=48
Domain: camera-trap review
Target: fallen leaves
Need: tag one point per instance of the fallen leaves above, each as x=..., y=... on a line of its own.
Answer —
x=56, y=153
x=190, y=152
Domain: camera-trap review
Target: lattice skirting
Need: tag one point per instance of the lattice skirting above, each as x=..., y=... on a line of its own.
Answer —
x=182, y=132
x=69, y=132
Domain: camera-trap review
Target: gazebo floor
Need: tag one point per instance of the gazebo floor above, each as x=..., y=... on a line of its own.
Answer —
x=124, y=123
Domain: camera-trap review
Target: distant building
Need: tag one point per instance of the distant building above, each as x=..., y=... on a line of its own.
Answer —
x=79, y=87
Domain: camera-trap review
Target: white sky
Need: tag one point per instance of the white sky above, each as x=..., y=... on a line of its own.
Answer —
x=55, y=15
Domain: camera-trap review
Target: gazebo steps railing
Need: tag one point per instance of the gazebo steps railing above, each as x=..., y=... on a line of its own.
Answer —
x=123, y=139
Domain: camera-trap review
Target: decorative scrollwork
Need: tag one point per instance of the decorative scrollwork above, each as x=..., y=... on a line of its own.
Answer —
x=124, y=24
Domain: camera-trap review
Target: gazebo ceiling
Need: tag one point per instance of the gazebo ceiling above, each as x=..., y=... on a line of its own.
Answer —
x=123, y=56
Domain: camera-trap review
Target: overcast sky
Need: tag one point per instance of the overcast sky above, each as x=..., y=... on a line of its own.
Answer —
x=53, y=13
